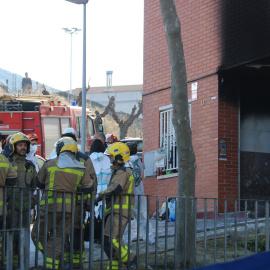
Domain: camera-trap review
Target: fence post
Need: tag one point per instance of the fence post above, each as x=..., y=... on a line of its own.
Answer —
x=10, y=238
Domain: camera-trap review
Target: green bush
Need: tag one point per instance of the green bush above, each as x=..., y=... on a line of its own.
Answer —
x=260, y=244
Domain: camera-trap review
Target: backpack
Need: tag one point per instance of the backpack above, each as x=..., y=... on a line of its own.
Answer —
x=136, y=171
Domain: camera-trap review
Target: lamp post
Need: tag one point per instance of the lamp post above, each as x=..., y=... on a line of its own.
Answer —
x=71, y=31
x=84, y=2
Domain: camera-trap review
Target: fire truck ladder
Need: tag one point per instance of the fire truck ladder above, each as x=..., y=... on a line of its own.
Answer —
x=13, y=102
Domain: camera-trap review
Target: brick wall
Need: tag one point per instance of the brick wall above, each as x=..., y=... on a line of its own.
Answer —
x=204, y=125
x=228, y=173
x=202, y=52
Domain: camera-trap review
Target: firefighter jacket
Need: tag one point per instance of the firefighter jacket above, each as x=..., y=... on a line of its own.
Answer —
x=61, y=183
x=122, y=187
x=8, y=177
x=27, y=178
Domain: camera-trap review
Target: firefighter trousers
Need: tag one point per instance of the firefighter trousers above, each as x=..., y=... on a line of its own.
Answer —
x=78, y=255
x=115, y=240
x=54, y=245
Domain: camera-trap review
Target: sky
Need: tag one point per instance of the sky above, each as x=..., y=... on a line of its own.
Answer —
x=33, y=41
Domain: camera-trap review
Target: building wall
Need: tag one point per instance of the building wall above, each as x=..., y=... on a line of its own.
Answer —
x=228, y=131
x=202, y=53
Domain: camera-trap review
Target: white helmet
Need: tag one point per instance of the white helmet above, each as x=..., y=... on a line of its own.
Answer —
x=70, y=130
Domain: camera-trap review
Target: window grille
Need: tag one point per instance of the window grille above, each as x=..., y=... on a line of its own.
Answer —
x=168, y=136
x=168, y=139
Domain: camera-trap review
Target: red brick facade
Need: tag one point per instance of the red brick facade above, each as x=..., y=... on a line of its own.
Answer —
x=211, y=118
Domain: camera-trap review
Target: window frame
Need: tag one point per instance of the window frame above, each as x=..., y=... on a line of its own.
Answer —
x=167, y=136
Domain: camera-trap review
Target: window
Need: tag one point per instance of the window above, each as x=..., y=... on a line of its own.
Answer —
x=168, y=137
x=51, y=133
x=65, y=123
x=78, y=126
x=90, y=126
x=109, y=79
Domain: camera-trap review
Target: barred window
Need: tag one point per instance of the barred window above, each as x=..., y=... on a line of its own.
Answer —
x=168, y=137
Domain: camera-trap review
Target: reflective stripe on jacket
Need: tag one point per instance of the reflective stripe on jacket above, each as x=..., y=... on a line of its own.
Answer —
x=26, y=179
x=7, y=174
x=121, y=185
x=62, y=181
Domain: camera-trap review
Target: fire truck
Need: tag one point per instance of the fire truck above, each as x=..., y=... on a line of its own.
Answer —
x=41, y=115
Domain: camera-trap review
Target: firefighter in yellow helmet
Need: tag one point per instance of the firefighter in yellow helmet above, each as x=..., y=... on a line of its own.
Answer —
x=78, y=256
x=60, y=178
x=19, y=146
x=121, y=188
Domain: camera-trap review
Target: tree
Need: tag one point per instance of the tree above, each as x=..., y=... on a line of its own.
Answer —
x=186, y=156
x=123, y=125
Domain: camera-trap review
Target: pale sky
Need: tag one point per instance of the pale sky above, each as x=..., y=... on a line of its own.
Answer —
x=32, y=40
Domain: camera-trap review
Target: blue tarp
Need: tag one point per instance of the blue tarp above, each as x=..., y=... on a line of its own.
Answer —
x=259, y=261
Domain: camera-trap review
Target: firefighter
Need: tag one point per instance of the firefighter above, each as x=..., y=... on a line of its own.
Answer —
x=8, y=177
x=19, y=146
x=64, y=173
x=33, y=138
x=78, y=226
x=121, y=186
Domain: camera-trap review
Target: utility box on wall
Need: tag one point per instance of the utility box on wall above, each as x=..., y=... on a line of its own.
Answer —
x=149, y=165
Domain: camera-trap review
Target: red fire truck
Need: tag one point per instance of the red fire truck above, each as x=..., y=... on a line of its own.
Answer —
x=39, y=114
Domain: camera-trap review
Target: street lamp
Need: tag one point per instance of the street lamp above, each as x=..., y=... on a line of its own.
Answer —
x=71, y=31
x=84, y=2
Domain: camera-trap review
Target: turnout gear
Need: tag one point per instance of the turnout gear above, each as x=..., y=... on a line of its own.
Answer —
x=64, y=181
x=66, y=144
x=68, y=180
x=8, y=177
x=68, y=160
x=119, y=151
x=18, y=137
x=122, y=188
x=78, y=245
x=27, y=178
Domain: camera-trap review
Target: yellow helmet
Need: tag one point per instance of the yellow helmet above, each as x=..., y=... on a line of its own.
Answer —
x=66, y=144
x=18, y=137
x=119, y=151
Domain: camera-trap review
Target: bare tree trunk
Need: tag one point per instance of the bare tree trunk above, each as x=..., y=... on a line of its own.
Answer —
x=123, y=125
x=186, y=158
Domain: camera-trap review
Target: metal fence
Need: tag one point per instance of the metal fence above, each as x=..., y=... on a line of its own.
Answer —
x=224, y=230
